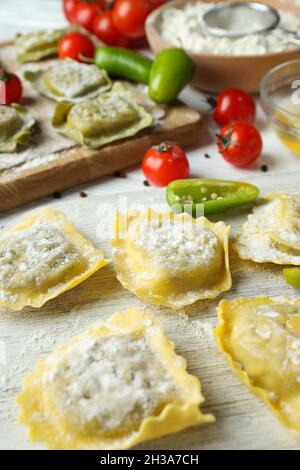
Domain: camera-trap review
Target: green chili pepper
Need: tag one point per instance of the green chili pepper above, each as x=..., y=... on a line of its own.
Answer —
x=292, y=277
x=210, y=195
x=172, y=70
x=124, y=63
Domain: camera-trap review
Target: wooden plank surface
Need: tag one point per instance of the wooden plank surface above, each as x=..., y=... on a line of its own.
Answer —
x=56, y=163
x=242, y=420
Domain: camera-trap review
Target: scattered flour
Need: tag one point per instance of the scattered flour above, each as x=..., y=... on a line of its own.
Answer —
x=32, y=257
x=176, y=244
x=115, y=381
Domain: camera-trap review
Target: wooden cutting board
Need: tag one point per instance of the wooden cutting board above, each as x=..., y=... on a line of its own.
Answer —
x=54, y=163
x=242, y=420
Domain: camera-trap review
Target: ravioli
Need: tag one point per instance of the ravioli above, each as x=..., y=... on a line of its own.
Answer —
x=171, y=260
x=141, y=95
x=70, y=81
x=260, y=339
x=272, y=232
x=37, y=45
x=109, y=117
x=118, y=384
x=43, y=257
x=15, y=127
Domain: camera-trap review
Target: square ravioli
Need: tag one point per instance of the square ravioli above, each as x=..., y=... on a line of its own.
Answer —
x=111, y=116
x=16, y=123
x=37, y=45
x=68, y=80
x=43, y=257
x=171, y=260
x=260, y=339
x=272, y=232
x=118, y=384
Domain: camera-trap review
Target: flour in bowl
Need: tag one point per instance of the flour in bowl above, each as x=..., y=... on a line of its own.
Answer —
x=184, y=28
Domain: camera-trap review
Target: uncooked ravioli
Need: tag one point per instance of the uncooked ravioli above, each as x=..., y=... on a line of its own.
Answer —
x=69, y=80
x=37, y=45
x=15, y=127
x=260, y=339
x=272, y=232
x=109, y=117
x=117, y=384
x=43, y=257
x=172, y=260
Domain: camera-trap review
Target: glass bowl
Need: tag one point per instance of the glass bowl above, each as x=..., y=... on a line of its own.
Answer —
x=280, y=99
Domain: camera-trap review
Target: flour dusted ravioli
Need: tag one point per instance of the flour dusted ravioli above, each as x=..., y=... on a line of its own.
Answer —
x=111, y=116
x=272, y=232
x=15, y=126
x=43, y=257
x=118, y=384
x=261, y=340
x=172, y=260
x=69, y=80
x=37, y=45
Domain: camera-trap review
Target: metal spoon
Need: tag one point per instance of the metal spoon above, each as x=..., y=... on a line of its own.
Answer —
x=239, y=19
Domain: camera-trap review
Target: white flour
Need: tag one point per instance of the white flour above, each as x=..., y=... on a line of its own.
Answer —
x=184, y=28
x=32, y=257
x=115, y=381
x=174, y=245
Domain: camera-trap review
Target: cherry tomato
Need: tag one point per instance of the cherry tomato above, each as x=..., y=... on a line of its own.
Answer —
x=106, y=31
x=86, y=13
x=165, y=163
x=74, y=45
x=234, y=105
x=239, y=143
x=129, y=16
x=69, y=7
x=10, y=88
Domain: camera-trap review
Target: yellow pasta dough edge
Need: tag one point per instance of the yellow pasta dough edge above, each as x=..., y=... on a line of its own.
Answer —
x=270, y=196
x=280, y=261
x=235, y=366
x=220, y=229
x=173, y=417
x=72, y=234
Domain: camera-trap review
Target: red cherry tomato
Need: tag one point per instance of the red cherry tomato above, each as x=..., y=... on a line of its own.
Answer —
x=165, y=163
x=234, y=105
x=239, y=143
x=129, y=16
x=10, y=88
x=69, y=7
x=86, y=13
x=74, y=45
x=106, y=31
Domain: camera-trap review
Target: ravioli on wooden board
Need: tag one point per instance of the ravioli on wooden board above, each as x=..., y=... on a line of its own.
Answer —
x=70, y=81
x=171, y=260
x=118, y=384
x=260, y=339
x=43, y=257
x=15, y=127
x=272, y=232
x=111, y=116
x=37, y=45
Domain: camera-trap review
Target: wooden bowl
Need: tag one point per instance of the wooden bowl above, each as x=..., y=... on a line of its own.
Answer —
x=217, y=72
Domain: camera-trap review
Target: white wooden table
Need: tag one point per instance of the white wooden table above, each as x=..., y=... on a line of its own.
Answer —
x=22, y=16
